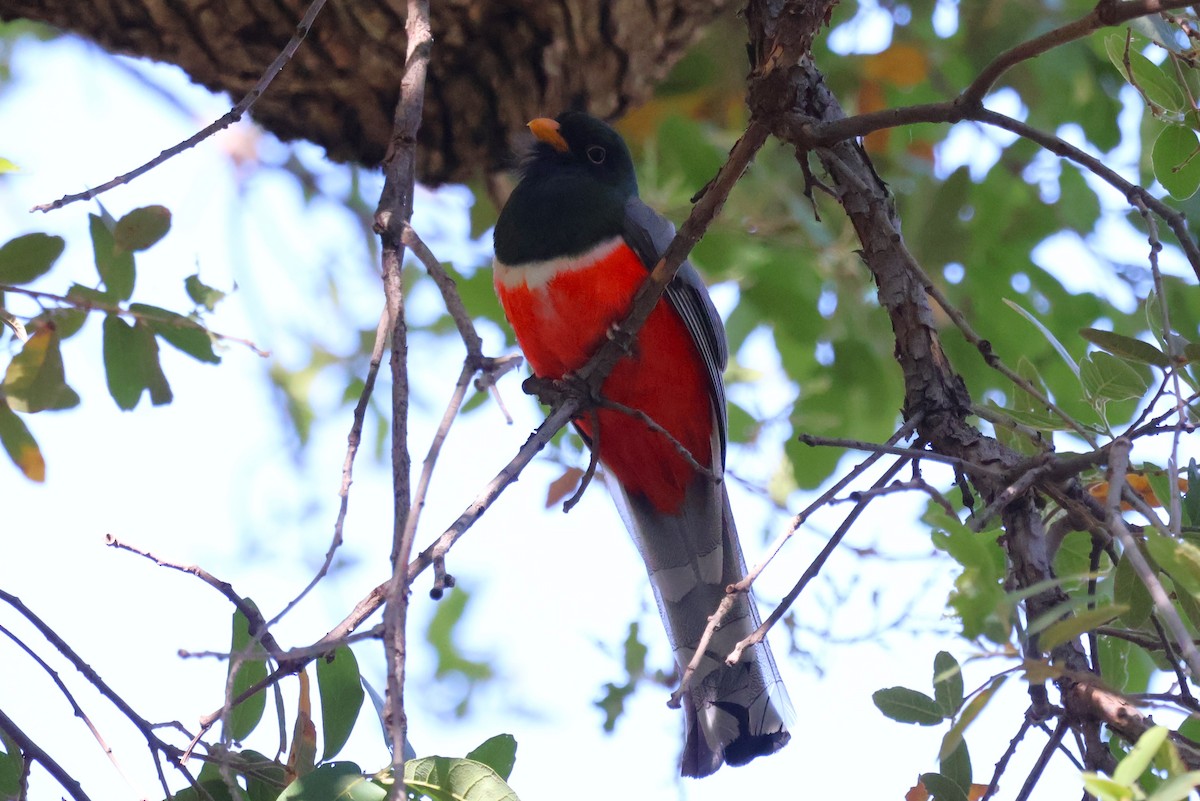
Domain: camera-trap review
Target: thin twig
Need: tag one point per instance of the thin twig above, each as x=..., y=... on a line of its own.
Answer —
x=650, y=423
x=445, y=284
x=141, y=724
x=75, y=707
x=689, y=672
x=35, y=753
x=593, y=462
x=435, y=448
x=1035, y=773
x=353, y=440
x=813, y=569
x=1118, y=464
x=1002, y=763
x=257, y=625
x=87, y=304
x=800, y=519
x=911, y=453
x=227, y=119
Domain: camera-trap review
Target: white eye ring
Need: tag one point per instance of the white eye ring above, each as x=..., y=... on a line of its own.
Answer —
x=596, y=154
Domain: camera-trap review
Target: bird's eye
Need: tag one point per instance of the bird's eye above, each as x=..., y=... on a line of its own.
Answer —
x=596, y=154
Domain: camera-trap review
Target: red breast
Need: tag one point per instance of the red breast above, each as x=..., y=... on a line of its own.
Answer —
x=561, y=311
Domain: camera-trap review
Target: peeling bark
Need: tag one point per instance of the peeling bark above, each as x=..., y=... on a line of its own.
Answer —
x=496, y=64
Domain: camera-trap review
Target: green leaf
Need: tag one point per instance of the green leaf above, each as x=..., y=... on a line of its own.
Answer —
x=210, y=782
x=446, y=779
x=1069, y=628
x=341, y=698
x=202, y=294
x=1053, y=340
x=954, y=737
x=1042, y=421
x=1156, y=87
x=1126, y=347
x=251, y=669
x=957, y=767
x=29, y=257
x=66, y=321
x=183, y=333
x=1129, y=591
x=20, y=445
x=141, y=228
x=114, y=264
x=1175, y=161
x=335, y=781
x=11, y=768
x=265, y=778
x=947, y=683
x=35, y=380
x=89, y=298
x=908, y=706
x=499, y=753
x=1106, y=789
x=942, y=788
x=131, y=363
x=1176, y=788
x=1140, y=757
x=1180, y=558
x=1191, y=500
x=1106, y=377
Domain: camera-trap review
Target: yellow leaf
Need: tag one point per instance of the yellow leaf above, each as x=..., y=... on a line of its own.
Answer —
x=303, y=754
x=1139, y=484
x=30, y=460
x=917, y=792
x=901, y=65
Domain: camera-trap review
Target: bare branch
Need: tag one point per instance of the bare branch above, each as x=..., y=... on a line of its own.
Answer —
x=391, y=219
x=258, y=626
x=911, y=453
x=35, y=753
x=75, y=707
x=227, y=119
x=813, y=569
x=156, y=743
x=353, y=440
x=87, y=304
x=445, y=284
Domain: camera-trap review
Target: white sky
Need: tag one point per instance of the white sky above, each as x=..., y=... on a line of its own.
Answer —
x=211, y=479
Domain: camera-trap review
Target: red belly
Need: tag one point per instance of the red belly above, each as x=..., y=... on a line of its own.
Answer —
x=561, y=325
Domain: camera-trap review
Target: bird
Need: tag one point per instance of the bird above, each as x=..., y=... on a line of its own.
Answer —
x=573, y=243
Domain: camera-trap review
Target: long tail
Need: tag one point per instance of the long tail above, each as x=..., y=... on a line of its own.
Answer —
x=734, y=713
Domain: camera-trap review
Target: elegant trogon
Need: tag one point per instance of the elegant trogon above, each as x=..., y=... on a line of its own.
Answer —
x=573, y=244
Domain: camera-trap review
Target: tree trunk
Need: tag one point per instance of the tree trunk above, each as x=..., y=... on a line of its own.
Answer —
x=496, y=64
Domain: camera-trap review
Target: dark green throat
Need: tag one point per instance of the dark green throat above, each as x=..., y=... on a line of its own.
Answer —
x=567, y=202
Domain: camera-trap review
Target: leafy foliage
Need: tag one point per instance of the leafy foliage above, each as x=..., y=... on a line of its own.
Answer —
x=35, y=378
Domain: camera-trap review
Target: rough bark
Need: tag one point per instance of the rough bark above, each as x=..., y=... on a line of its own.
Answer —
x=496, y=63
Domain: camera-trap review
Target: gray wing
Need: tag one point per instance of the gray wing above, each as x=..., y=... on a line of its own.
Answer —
x=649, y=234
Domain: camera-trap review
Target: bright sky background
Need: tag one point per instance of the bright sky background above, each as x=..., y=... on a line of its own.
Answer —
x=213, y=479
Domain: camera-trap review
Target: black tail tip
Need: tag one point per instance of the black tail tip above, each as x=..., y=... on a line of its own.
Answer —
x=703, y=761
x=751, y=746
